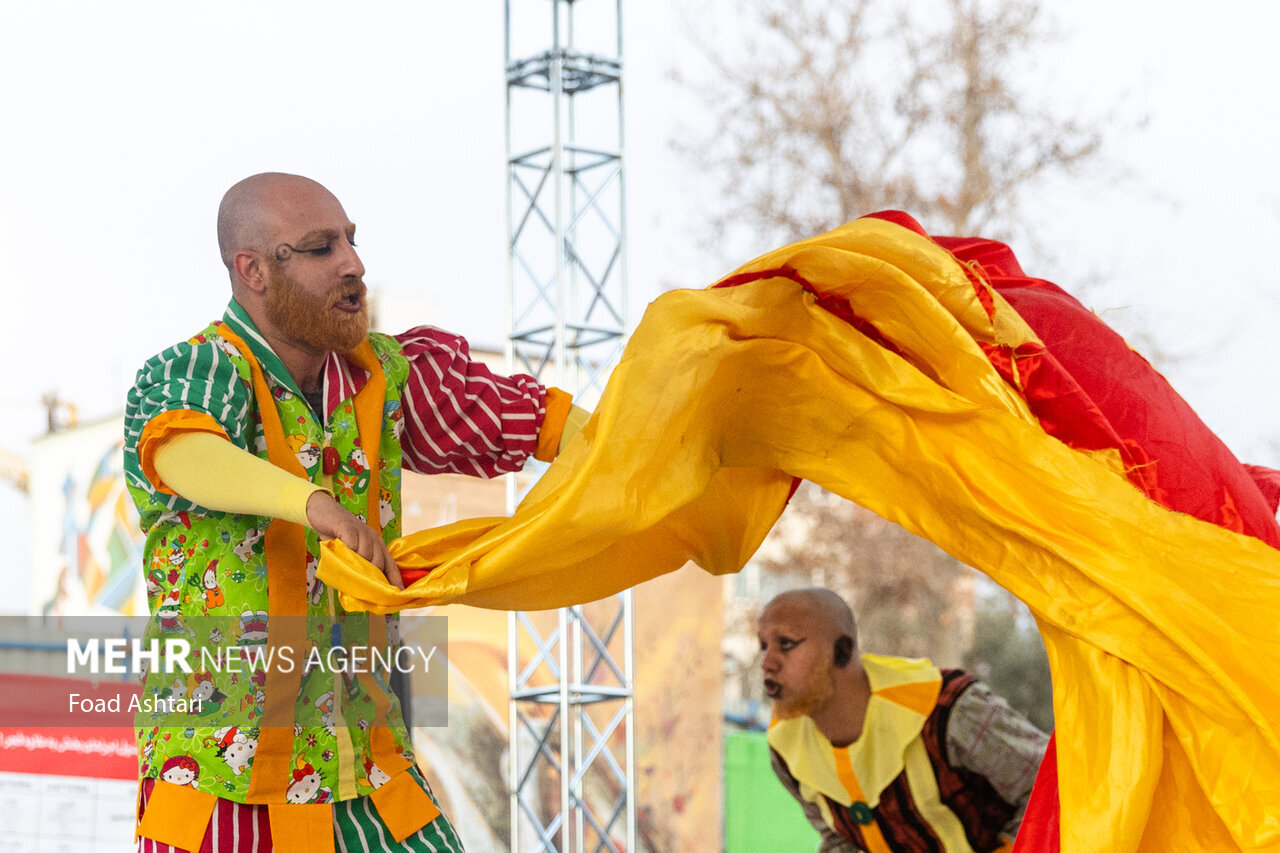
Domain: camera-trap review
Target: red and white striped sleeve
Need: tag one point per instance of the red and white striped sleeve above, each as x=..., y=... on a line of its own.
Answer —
x=460, y=417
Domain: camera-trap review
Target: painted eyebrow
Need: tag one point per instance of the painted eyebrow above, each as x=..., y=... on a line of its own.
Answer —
x=781, y=636
x=324, y=234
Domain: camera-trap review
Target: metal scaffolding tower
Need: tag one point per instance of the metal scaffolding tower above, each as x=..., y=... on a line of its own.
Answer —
x=572, y=756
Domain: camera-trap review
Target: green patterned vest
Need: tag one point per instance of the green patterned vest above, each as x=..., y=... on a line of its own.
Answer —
x=210, y=583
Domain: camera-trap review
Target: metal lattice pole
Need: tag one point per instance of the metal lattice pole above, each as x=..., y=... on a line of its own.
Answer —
x=572, y=754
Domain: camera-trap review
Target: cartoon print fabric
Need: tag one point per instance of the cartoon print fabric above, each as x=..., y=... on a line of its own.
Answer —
x=207, y=583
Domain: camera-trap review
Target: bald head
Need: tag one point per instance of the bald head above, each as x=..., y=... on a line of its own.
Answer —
x=291, y=255
x=250, y=211
x=807, y=641
x=825, y=610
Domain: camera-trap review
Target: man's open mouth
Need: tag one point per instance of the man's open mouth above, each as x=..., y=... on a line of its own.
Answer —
x=772, y=688
x=351, y=303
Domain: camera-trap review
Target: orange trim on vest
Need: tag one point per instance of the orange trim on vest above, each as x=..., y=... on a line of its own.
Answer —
x=382, y=743
x=286, y=579
x=285, y=550
x=369, y=402
x=165, y=426
x=285, y=547
x=301, y=828
x=403, y=806
x=555, y=412
x=177, y=815
x=917, y=696
x=871, y=833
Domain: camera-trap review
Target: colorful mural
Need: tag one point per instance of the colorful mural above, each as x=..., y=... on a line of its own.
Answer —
x=86, y=546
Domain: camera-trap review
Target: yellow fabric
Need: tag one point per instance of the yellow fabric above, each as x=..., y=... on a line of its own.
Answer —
x=348, y=761
x=810, y=759
x=920, y=697
x=928, y=800
x=301, y=827
x=1161, y=629
x=209, y=470
x=177, y=815
x=573, y=424
x=403, y=806
x=913, y=683
x=877, y=757
x=889, y=727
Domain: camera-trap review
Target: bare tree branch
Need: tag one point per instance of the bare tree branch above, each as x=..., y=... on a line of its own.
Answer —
x=831, y=109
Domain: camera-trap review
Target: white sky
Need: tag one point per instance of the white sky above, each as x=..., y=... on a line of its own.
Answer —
x=124, y=122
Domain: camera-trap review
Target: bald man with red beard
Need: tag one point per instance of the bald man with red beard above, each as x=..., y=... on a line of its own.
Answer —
x=885, y=753
x=285, y=423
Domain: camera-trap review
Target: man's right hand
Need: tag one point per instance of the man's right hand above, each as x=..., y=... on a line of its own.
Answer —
x=332, y=521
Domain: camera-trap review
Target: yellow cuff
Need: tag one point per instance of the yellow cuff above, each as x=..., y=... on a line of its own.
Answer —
x=556, y=411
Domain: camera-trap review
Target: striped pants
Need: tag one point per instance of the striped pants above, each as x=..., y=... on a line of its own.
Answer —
x=357, y=828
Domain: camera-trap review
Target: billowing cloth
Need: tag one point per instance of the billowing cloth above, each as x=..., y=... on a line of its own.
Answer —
x=872, y=362
x=1085, y=380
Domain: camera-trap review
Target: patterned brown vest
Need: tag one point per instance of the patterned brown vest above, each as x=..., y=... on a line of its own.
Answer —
x=975, y=802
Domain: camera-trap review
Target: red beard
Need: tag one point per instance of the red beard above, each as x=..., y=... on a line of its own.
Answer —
x=312, y=322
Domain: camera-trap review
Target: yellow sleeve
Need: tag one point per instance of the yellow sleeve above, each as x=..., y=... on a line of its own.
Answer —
x=206, y=469
x=164, y=427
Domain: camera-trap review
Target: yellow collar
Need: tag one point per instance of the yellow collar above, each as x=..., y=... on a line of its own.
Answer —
x=903, y=694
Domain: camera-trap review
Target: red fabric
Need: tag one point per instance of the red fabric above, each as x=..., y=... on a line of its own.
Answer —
x=1053, y=394
x=1194, y=471
x=1091, y=391
x=1040, y=830
x=1268, y=480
